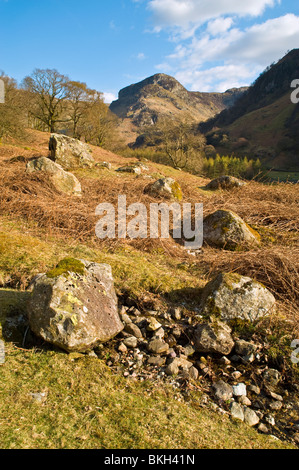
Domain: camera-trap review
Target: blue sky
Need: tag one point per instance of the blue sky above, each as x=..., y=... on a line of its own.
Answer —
x=208, y=45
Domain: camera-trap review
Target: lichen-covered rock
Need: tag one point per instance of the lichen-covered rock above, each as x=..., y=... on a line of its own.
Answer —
x=232, y=296
x=213, y=337
x=165, y=187
x=70, y=153
x=75, y=306
x=136, y=170
x=62, y=180
x=225, y=182
x=225, y=229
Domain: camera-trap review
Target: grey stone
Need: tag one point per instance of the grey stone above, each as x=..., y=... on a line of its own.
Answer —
x=225, y=182
x=271, y=378
x=156, y=361
x=160, y=333
x=70, y=153
x=270, y=419
x=122, y=348
x=62, y=180
x=153, y=324
x=193, y=373
x=231, y=296
x=213, y=338
x=239, y=390
x=131, y=342
x=263, y=428
x=244, y=400
x=250, y=417
x=222, y=390
x=254, y=389
x=275, y=405
x=244, y=348
x=130, y=169
x=225, y=229
x=165, y=187
x=158, y=346
x=236, y=411
x=133, y=330
x=103, y=165
x=75, y=311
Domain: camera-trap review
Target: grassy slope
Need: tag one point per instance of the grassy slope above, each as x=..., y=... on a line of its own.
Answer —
x=265, y=131
x=86, y=405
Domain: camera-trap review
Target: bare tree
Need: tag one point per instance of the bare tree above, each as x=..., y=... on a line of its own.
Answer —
x=13, y=110
x=79, y=99
x=48, y=90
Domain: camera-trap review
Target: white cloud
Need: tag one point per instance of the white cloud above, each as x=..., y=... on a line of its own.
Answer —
x=140, y=56
x=220, y=25
x=221, y=55
x=109, y=97
x=183, y=12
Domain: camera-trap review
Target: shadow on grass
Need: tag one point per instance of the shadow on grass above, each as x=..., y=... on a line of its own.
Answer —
x=14, y=326
x=190, y=296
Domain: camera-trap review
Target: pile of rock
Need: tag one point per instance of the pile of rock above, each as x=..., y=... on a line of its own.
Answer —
x=74, y=306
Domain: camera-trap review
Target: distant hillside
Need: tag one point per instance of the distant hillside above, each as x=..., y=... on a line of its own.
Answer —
x=263, y=122
x=161, y=96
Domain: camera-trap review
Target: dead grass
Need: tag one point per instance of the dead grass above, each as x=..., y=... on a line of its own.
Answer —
x=87, y=407
x=273, y=210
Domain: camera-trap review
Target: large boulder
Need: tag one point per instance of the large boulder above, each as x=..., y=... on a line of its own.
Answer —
x=232, y=296
x=214, y=337
x=70, y=153
x=74, y=306
x=225, y=182
x=165, y=187
x=62, y=180
x=225, y=229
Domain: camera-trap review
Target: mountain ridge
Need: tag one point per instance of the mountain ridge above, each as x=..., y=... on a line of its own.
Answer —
x=161, y=96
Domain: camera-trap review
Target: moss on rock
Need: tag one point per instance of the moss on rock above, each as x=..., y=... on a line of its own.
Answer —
x=66, y=266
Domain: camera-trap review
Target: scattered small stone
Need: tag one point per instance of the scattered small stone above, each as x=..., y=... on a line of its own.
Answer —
x=39, y=397
x=263, y=428
x=236, y=374
x=92, y=354
x=275, y=405
x=130, y=342
x=156, y=361
x=193, y=372
x=236, y=411
x=243, y=400
x=213, y=338
x=176, y=332
x=176, y=313
x=189, y=350
x=133, y=329
x=122, y=348
x=271, y=378
x=254, y=389
x=158, y=346
x=270, y=419
x=250, y=417
x=239, y=390
x=275, y=396
x=160, y=333
x=225, y=361
x=125, y=318
x=153, y=324
x=222, y=390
